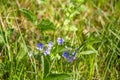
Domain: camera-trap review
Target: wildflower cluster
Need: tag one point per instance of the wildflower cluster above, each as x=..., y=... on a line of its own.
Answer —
x=40, y=47
x=60, y=41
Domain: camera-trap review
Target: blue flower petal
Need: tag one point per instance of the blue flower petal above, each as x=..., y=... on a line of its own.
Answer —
x=60, y=41
x=40, y=46
x=50, y=44
x=74, y=54
x=65, y=54
x=70, y=59
x=46, y=52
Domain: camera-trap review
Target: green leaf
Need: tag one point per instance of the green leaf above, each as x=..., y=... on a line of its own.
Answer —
x=87, y=52
x=46, y=24
x=59, y=77
x=45, y=65
x=21, y=52
x=70, y=28
x=2, y=41
x=29, y=15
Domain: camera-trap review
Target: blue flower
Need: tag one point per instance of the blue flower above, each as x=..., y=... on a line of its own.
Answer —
x=65, y=54
x=68, y=57
x=50, y=44
x=60, y=41
x=47, y=52
x=40, y=46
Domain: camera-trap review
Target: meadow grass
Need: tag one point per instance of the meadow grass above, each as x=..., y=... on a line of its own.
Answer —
x=89, y=27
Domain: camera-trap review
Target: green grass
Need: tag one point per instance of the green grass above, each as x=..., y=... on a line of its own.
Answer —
x=92, y=26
